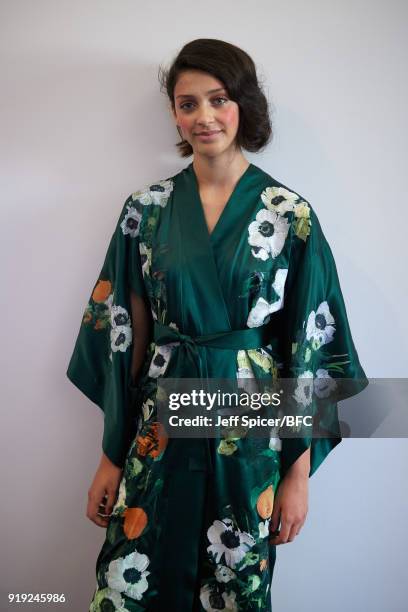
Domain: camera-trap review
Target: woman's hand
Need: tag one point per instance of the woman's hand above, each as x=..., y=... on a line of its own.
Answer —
x=290, y=504
x=103, y=491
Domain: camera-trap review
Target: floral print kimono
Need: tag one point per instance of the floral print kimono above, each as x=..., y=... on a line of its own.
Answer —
x=258, y=297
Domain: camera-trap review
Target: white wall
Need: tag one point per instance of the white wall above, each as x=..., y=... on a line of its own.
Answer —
x=83, y=124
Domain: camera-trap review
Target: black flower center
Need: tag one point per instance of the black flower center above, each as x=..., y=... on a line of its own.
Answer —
x=216, y=601
x=320, y=321
x=107, y=605
x=159, y=360
x=120, y=339
x=132, y=575
x=277, y=199
x=121, y=318
x=230, y=539
x=266, y=229
x=132, y=223
x=157, y=188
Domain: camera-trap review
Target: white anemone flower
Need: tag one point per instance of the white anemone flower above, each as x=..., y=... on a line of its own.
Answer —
x=260, y=313
x=157, y=194
x=279, y=199
x=224, y=573
x=304, y=390
x=107, y=599
x=228, y=541
x=324, y=384
x=129, y=575
x=160, y=359
x=213, y=600
x=120, y=338
x=119, y=316
x=131, y=222
x=267, y=234
x=320, y=326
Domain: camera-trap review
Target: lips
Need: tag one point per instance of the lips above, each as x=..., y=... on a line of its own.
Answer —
x=208, y=133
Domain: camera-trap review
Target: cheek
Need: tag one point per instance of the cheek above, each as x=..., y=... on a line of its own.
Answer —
x=230, y=117
x=185, y=123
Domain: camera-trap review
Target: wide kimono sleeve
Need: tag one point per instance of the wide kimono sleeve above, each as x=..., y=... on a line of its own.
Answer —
x=100, y=365
x=320, y=360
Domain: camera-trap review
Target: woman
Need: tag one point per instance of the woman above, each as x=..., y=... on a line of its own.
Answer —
x=219, y=271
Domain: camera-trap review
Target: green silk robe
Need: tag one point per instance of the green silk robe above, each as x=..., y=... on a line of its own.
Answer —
x=258, y=297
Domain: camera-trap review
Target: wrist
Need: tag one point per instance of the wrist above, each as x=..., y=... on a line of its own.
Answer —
x=301, y=467
x=105, y=461
x=298, y=472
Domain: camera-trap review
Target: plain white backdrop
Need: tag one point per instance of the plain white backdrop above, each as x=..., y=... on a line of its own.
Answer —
x=83, y=124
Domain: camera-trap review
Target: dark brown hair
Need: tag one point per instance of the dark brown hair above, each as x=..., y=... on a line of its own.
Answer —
x=236, y=70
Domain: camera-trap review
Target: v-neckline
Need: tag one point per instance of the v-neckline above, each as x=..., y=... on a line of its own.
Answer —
x=210, y=235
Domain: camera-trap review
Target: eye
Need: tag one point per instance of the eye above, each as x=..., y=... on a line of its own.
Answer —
x=221, y=98
x=184, y=105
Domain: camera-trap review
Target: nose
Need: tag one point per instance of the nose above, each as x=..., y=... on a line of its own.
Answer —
x=205, y=116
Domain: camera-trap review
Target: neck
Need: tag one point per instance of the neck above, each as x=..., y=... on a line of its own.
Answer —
x=219, y=171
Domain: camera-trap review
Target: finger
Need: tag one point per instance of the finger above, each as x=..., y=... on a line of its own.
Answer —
x=275, y=539
x=274, y=532
x=299, y=526
x=101, y=521
x=293, y=532
x=102, y=506
x=284, y=532
x=93, y=512
x=92, y=507
x=96, y=518
x=274, y=523
x=112, y=499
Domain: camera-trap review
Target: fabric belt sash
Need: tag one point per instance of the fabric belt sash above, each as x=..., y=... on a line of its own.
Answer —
x=239, y=339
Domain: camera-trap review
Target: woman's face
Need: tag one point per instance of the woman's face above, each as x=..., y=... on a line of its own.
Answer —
x=198, y=108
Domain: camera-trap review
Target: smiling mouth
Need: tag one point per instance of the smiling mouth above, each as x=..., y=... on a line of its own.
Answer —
x=208, y=135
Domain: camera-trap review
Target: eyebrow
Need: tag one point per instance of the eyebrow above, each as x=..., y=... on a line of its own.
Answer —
x=209, y=92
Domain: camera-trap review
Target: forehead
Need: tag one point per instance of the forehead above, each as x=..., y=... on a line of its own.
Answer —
x=196, y=82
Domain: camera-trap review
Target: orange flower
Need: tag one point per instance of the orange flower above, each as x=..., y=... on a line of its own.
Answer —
x=143, y=444
x=264, y=504
x=263, y=564
x=160, y=439
x=135, y=522
x=102, y=291
x=98, y=324
x=154, y=442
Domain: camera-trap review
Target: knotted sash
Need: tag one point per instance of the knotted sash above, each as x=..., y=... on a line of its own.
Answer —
x=239, y=339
